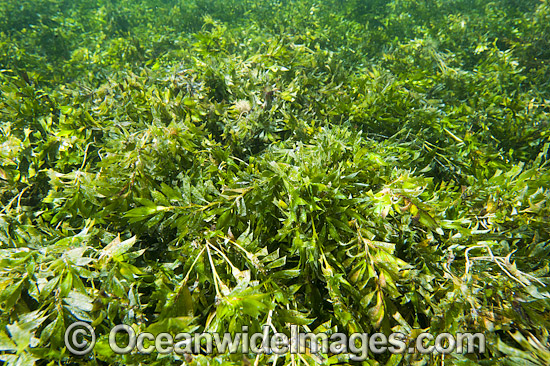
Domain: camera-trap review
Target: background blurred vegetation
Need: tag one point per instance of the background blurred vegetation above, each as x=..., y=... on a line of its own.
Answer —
x=353, y=166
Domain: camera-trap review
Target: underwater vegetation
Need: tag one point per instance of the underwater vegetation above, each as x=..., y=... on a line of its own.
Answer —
x=204, y=165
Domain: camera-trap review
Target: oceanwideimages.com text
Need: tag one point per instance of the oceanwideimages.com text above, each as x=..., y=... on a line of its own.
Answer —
x=80, y=339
